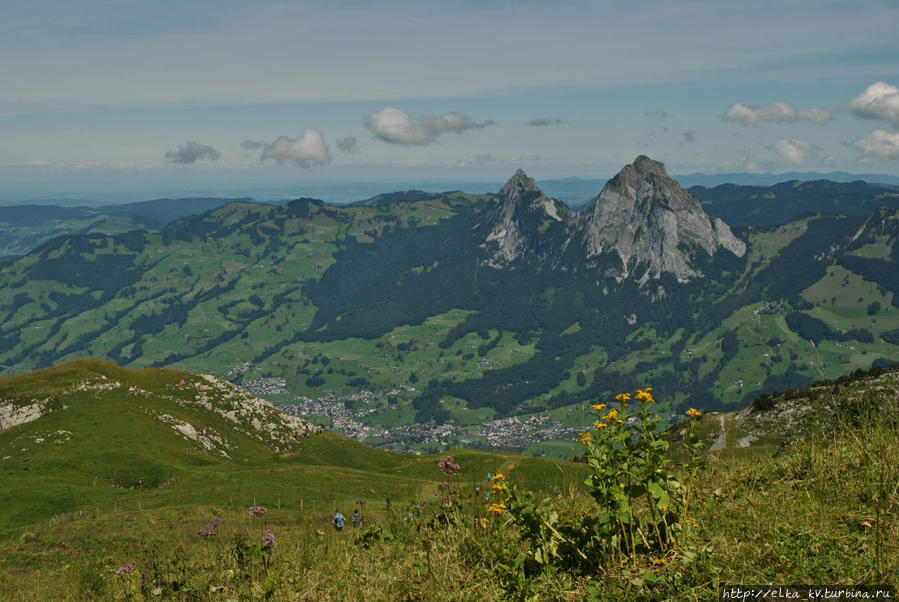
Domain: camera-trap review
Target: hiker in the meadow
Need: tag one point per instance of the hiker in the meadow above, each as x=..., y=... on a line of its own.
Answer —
x=338, y=520
x=181, y=383
x=357, y=518
x=477, y=491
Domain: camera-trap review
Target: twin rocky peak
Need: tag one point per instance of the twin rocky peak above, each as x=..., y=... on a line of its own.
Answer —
x=641, y=225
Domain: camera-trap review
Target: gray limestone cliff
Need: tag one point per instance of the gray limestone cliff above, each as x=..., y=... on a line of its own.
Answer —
x=653, y=225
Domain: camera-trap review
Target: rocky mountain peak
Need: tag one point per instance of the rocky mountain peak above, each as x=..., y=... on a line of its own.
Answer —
x=518, y=185
x=519, y=219
x=644, y=168
x=652, y=224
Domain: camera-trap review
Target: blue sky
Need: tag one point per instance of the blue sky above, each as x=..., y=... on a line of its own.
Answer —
x=135, y=99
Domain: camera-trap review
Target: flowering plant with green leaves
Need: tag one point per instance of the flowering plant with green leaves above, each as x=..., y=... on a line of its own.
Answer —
x=632, y=480
x=642, y=505
x=539, y=522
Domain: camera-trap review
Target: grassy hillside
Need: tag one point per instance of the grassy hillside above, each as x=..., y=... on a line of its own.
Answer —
x=79, y=449
x=815, y=503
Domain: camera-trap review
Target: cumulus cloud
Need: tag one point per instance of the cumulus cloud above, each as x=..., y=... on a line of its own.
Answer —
x=543, y=121
x=879, y=144
x=776, y=111
x=191, y=152
x=252, y=144
x=307, y=150
x=348, y=144
x=795, y=151
x=879, y=101
x=396, y=127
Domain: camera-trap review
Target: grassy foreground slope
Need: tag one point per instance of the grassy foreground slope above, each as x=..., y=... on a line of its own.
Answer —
x=85, y=459
x=820, y=507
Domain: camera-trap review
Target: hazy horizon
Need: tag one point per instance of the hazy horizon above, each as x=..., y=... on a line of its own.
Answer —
x=350, y=191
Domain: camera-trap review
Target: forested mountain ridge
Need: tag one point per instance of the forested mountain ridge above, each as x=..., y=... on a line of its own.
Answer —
x=410, y=305
x=780, y=203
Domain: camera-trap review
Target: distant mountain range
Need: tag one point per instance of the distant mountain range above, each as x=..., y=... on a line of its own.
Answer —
x=574, y=191
x=463, y=308
x=769, y=179
x=26, y=226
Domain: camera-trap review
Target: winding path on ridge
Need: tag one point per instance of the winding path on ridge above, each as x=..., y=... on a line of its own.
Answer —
x=721, y=440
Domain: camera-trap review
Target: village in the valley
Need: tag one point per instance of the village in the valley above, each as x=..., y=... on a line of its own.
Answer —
x=347, y=416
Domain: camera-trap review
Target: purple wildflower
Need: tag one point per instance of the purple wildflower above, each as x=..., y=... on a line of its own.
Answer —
x=210, y=527
x=268, y=540
x=448, y=465
x=257, y=511
x=125, y=569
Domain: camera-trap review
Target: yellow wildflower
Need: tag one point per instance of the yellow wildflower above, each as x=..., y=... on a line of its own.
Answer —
x=622, y=398
x=600, y=425
x=499, y=508
x=612, y=415
x=660, y=561
x=694, y=413
x=691, y=522
x=498, y=477
x=584, y=437
x=599, y=407
x=645, y=395
x=500, y=488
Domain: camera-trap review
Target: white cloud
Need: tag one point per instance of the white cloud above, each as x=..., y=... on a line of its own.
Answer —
x=776, y=111
x=879, y=101
x=348, y=144
x=544, y=121
x=396, y=127
x=251, y=144
x=815, y=114
x=191, y=152
x=879, y=143
x=307, y=150
x=795, y=151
